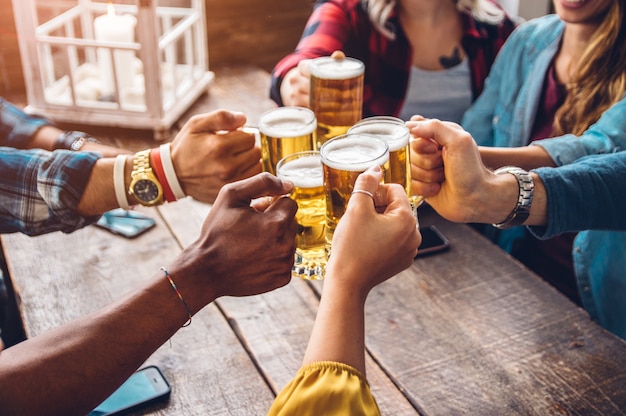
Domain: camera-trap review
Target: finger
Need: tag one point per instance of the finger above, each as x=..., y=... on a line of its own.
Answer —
x=424, y=146
x=264, y=184
x=417, y=117
x=216, y=121
x=425, y=189
x=394, y=196
x=367, y=181
x=444, y=133
x=304, y=67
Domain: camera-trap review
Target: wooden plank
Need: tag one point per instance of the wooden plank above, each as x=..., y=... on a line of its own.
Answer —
x=475, y=332
x=276, y=326
x=61, y=277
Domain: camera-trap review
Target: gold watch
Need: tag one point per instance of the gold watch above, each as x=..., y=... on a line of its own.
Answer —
x=143, y=183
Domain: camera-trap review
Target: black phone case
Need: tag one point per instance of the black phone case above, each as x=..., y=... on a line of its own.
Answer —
x=433, y=241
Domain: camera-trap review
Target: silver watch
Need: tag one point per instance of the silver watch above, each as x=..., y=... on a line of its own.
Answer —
x=524, y=200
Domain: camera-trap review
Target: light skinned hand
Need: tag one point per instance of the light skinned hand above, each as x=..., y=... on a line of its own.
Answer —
x=294, y=89
x=373, y=243
x=245, y=250
x=460, y=190
x=212, y=150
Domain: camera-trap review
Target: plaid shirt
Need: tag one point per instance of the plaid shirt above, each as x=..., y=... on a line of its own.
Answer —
x=344, y=25
x=39, y=190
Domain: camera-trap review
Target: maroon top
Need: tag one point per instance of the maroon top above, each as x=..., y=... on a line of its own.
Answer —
x=552, y=258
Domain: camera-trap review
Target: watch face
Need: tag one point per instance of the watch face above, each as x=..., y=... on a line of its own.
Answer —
x=146, y=190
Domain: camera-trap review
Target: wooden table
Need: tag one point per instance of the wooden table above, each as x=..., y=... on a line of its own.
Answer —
x=468, y=331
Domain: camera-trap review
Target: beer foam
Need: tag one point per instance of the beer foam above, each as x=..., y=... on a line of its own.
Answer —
x=304, y=172
x=395, y=134
x=288, y=122
x=326, y=67
x=355, y=152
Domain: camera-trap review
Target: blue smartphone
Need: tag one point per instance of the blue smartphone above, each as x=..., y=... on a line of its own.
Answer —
x=129, y=224
x=145, y=387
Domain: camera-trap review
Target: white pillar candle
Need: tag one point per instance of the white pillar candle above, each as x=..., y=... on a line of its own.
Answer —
x=113, y=28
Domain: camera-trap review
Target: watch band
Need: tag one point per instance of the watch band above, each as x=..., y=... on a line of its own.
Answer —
x=73, y=140
x=524, y=200
x=118, y=181
x=170, y=173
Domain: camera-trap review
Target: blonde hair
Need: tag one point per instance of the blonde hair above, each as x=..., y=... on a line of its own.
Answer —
x=599, y=81
x=380, y=10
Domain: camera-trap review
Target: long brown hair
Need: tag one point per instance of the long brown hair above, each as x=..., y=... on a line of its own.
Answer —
x=599, y=81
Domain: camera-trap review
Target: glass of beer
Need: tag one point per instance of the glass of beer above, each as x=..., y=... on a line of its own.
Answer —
x=336, y=95
x=304, y=169
x=397, y=134
x=344, y=158
x=283, y=131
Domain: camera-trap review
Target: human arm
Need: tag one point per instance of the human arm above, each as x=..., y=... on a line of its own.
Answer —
x=26, y=131
x=332, y=377
x=607, y=135
x=39, y=194
x=96, y=353
x=447, y=169
x=338, y=333
x=326, y=31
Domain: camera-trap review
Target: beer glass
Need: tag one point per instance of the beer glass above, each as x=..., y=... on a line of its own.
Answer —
x=304, y=169
x=344, y=158
x=283, y=131
x=397, y=135
x=336, y=95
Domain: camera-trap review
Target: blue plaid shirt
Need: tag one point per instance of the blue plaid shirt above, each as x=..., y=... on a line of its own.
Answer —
x=39, y=190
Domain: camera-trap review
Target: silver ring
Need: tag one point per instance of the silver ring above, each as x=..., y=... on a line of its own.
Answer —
x=361, y=191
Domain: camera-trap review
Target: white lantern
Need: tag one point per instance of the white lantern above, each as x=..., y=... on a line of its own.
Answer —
x=128, y=63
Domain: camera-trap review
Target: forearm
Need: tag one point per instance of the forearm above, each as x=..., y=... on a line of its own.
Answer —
x=338, y=333
x=87, y=359
x=498, y=197
x=527, y=157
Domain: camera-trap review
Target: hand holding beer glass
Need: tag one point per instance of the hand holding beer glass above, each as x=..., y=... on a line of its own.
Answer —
x=344, y=158
x=284, y=131
x=336, y=95
x=397, y=135
x=304, y=170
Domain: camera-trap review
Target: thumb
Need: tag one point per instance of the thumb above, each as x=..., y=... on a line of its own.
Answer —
x=367, y=182
x=242, y=192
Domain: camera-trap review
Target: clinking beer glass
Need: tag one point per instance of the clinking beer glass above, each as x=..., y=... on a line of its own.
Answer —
x=284, y=131
x=304, y=169
x=344, y=158
x=397, y=135
x=336, y=95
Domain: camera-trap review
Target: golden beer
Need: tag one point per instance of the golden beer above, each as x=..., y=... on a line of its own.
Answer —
x=304, y=169
x=344, y=158
x=397, y=135
x=336, y=95
x=284, y=131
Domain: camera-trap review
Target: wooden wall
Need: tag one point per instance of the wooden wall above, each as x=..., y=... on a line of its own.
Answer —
x=258, y=32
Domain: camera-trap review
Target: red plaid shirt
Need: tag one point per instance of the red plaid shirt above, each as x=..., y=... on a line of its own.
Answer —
x=344, y=25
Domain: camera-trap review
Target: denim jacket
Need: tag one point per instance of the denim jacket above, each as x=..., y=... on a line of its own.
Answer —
x=504, y=115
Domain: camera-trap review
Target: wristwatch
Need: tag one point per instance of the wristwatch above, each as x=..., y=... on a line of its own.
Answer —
x=73, y=140
x=524, y=199
x=144, y=185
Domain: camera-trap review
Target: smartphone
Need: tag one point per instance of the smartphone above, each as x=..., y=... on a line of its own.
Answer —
x=432, y=241
x=129, y=224
x=145, y=387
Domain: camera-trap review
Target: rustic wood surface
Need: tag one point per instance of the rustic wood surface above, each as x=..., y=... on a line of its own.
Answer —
x=468, y=331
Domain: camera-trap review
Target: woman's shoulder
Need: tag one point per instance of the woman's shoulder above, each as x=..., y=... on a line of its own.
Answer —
x=549, y=25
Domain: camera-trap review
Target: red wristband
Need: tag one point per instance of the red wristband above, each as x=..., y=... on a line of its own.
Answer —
x=157, y=166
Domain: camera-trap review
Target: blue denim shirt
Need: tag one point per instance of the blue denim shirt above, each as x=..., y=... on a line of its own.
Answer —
x=504, y=115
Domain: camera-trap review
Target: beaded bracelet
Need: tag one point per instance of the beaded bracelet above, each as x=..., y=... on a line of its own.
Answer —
x=179, y=295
